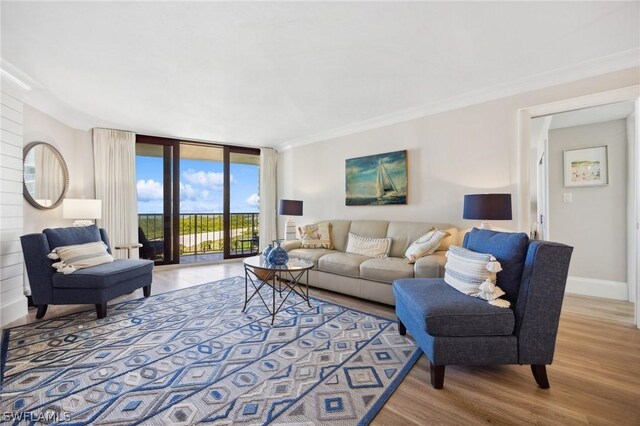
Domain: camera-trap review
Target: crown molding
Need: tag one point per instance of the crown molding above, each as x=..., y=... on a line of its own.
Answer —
x=619, y=61
x=13, y=76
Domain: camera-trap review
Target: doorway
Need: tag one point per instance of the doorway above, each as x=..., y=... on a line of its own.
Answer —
x=589, y=203
x=197, y=202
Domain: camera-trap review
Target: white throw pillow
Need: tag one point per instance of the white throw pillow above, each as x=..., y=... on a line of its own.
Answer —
x=368, y=246
x=80, y=256
x=474, y=274
x=425, y=245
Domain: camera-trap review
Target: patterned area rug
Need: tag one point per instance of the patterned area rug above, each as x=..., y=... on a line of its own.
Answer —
x=192, y=356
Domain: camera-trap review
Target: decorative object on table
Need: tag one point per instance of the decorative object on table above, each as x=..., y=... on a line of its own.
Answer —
x=486, y=207
x=45, y=175
x=586, y=166
x=278, y=255
x=252, y=375
x=266, y=251
x=290, y=208
x=83, y=210
x=377, y=179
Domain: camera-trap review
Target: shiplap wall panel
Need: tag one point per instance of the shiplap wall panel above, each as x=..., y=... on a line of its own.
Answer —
x=11, y=138
x=12, y=300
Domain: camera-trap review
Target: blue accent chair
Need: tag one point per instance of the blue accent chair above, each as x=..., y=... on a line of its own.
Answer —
x=455, y=329
x=95, y=285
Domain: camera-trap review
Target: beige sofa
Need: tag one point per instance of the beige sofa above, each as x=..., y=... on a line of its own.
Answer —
x=367, y=277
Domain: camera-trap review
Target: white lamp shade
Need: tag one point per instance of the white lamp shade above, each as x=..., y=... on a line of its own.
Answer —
x=74, y=208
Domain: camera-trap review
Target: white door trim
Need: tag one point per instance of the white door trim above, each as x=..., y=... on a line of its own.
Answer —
x=631, y=93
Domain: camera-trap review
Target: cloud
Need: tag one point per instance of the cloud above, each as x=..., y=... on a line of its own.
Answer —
x=187, y=192
x=253, y=200
x=213, y=180
x=149, y=190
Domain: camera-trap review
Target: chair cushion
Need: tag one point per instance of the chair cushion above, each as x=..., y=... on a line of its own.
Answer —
x=105, y=275
x=509, y=248
x=347, y=264
x=73, y=235
x=445, y=311
x=385, y=269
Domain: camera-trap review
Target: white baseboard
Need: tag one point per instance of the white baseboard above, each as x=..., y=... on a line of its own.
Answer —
x=13, y=310
x=597, y=288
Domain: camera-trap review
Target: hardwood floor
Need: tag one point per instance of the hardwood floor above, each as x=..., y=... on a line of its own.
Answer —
x=595, y=376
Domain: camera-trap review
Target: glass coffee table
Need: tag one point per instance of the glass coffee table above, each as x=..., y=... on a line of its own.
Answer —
x=285, y=278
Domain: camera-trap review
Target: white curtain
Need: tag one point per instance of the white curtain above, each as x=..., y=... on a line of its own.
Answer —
x=114, y=158
x=268, y=182
x=48, y=177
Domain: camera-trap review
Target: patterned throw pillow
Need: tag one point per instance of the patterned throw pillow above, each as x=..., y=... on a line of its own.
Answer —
x=316, y=236
x=474, y=274
x=425, y=245
x=368, y=246
x=80, y=256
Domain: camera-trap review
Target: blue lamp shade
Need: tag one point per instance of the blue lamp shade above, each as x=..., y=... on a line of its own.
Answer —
x=487, y=207
x=290, y=208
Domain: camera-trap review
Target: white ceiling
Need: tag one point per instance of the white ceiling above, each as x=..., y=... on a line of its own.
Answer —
x=273, y=74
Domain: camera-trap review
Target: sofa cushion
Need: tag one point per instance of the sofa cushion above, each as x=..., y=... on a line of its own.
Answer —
x=311, y=255
x=425, y=245
x=105, y=275
x=59, y=237
x=447, y=312
x=316, y=236
x=347, y=264
x=510, y=248
x=368, y=246
x=385, y=269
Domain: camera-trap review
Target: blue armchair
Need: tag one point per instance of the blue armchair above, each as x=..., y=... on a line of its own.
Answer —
x=95, y=285
x=455, y=329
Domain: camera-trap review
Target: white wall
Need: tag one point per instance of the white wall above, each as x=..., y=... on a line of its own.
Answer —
x=472, y=149
x=595, y=222
x=12, y=302
x=76, y=148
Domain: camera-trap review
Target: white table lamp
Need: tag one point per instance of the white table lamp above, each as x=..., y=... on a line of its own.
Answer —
x=290, y=208
x=84, y=211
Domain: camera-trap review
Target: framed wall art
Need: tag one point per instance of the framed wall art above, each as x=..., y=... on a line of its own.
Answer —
x=377, y=179
x=586, y=166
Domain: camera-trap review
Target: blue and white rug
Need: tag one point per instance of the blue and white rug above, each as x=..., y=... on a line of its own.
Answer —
x=192, y=356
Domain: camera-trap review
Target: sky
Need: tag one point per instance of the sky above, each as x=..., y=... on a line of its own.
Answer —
x=201, y=186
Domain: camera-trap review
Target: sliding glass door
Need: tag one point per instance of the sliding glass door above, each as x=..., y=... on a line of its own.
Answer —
x=197, y=202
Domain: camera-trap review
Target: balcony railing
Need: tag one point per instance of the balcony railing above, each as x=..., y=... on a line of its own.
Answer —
x=202, y=233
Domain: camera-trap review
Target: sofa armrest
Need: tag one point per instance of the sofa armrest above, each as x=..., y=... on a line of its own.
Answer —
x=291, y=244
x=35, y=248
x=431, y=266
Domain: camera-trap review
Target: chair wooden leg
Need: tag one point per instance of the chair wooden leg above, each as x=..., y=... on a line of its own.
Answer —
x=401, y=328
x=540, y=374
x=146, y=290
x=437, y=375
x=101, y=310
x=42, y=309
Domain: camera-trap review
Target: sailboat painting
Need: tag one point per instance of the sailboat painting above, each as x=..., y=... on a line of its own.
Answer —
x=377, y=179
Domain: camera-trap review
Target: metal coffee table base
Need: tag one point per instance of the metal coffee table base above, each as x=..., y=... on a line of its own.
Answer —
x=275, y=278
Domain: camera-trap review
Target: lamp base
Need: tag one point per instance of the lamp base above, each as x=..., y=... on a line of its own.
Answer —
x=82, y=222
x=290, y=229
x=486, y=225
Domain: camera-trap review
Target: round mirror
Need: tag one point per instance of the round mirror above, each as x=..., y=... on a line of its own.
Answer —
x=45, y=176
